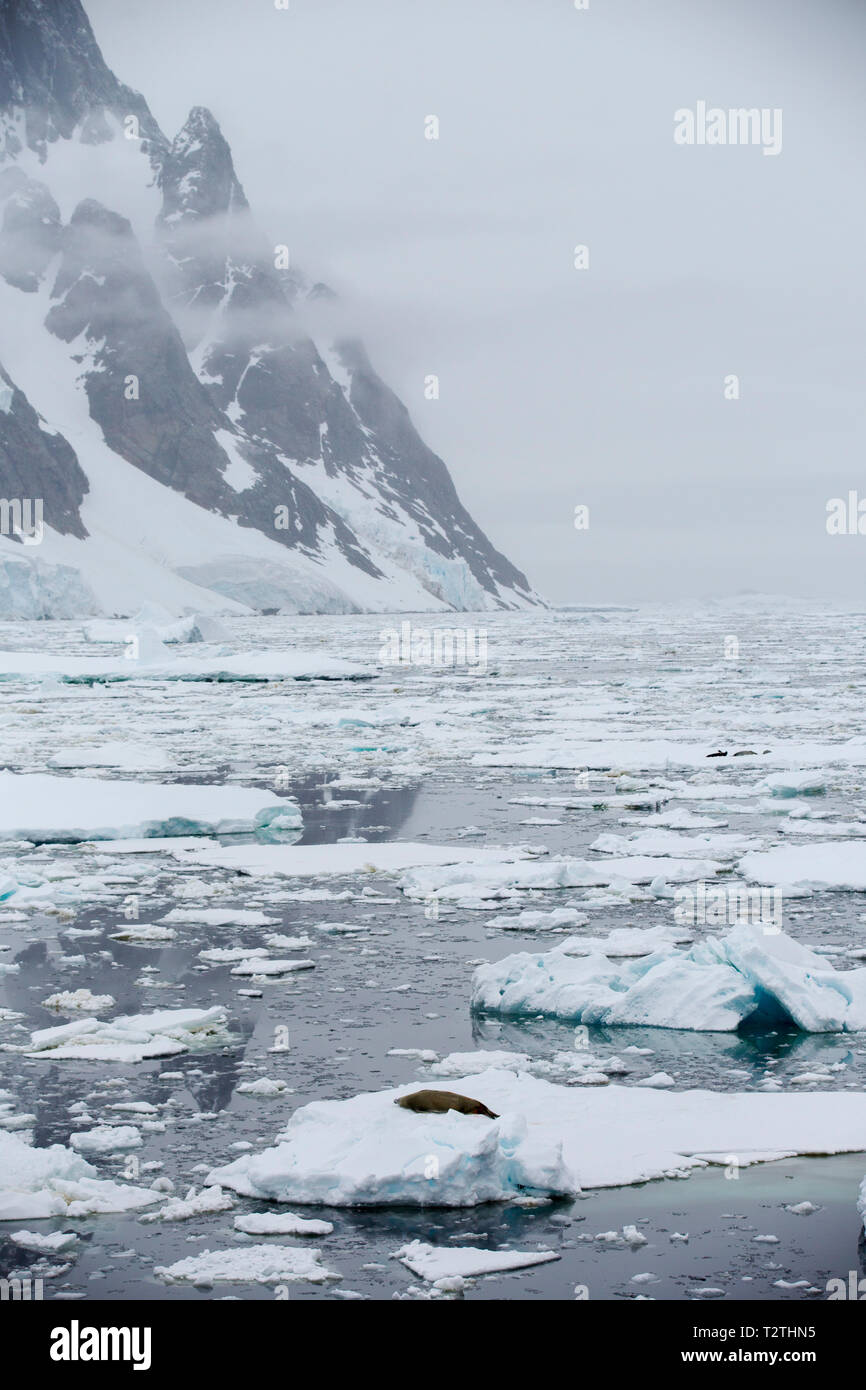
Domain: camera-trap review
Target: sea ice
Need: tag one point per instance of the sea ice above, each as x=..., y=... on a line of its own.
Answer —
x=433, y=1262
x=42, y=808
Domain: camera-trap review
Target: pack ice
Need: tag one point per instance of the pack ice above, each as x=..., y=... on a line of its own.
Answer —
x=714, y=986
x=163, y=665
x=43, y=809
x=549, y=1141
x=41, y=1183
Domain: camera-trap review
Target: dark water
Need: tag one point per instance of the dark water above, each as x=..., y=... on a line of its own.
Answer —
x=405, y=984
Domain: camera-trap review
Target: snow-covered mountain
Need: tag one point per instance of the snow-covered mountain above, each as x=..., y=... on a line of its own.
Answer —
x=187, y=441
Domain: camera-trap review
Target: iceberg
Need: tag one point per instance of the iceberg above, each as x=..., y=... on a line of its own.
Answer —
x=716, y=985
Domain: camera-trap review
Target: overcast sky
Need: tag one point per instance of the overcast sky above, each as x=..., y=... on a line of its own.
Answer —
x=558, y=387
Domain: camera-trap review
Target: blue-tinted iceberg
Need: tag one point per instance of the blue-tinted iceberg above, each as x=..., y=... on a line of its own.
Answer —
x=750, y=974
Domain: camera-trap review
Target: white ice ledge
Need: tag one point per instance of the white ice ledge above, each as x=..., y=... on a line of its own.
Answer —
x=549, y=1140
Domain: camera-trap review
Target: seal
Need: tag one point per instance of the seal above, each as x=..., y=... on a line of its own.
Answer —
x=438, y=1102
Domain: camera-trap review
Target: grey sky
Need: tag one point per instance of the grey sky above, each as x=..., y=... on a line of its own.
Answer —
x=455, y=256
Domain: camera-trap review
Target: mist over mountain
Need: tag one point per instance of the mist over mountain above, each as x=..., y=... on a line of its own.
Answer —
x=171, y=388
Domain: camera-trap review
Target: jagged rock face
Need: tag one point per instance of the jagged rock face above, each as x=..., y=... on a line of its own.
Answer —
x=203, y=377
x=273, y=380
x=37, y=464
x=143, y=393
x=51, y=66
x=138, y=380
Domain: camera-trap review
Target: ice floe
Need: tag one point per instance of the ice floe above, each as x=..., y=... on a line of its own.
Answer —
x=825, y=867
x=204, y=1203
x=154, y=663
x=550, y=1140
x=495, y=880
x=132, y=1037
x=276, y=1223
x=41, y=808
x=257, y=1264
x=38, y=1184
x=307, y=861
x=433, y=1262
x=78, y=1001
x=106, y=1139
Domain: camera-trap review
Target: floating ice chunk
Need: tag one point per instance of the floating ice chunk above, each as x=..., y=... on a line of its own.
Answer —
x=46, y=1244
x=835, y=865
x=633, y=1236
x=498, y=880
x=265, y=1086
x=660, y=843
x=210, y=1199
x=716, y=985
x=268, y=1223
x=219, y=917
x=258, y=1264
x=130, y=757
x=794, y=784
x=527, y=920
x=626, y=941
x=443, y=1262
x=302, y=861
x=258, y=966
x=222, y=955
x=143, y=934
x=132, y=1037
x=41, y=1183
x=45, y=809
x=466, y=1063
x=78, y=1001
x=107, y=1139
